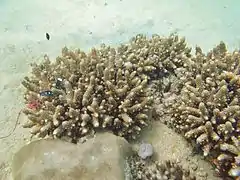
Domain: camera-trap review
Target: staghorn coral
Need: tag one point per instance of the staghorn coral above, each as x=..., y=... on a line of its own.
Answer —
x=208, y=109
x=169, y=170
x=95, y=91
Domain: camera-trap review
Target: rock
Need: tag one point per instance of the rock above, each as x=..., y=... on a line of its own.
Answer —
x=101, y=157
x=169, y=145
x=145, y=150
x=194, y=166
x=4, y=170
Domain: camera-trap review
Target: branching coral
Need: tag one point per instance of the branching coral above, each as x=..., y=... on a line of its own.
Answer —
x=142, y=170
x=229, y=158
x=209, y=106
x=156, y=55
x=97, y=91
x=106, y=88
x=159, y=58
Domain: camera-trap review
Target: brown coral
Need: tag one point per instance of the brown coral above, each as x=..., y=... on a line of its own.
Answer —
x=159, y=58
x=209, y=106
x=229, y=158
x=106, y=88
x=156, y=55
x=96, y=92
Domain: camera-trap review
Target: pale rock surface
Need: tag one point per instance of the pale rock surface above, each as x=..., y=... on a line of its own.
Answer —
x=100, y=158
x=169, y=145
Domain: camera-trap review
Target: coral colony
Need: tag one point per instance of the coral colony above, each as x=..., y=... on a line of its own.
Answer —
x=142, y=170
x=208, y=108
x=109, y=88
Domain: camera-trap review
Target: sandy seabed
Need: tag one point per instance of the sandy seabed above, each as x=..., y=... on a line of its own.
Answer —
x=87, y=23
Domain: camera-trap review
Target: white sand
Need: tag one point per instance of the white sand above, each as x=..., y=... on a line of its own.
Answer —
x=86, y=23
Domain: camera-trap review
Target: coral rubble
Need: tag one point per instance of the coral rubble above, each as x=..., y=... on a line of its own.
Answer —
x=95, y=91
x=208, y=109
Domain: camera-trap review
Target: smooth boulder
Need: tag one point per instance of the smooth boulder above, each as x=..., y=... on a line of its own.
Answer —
x=100, y=158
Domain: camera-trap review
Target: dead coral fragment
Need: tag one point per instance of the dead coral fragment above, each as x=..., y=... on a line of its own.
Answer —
x=94, y=92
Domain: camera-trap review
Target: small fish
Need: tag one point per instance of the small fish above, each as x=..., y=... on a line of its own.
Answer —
x=59, y=83
x=46, y=93
x=47, y=36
